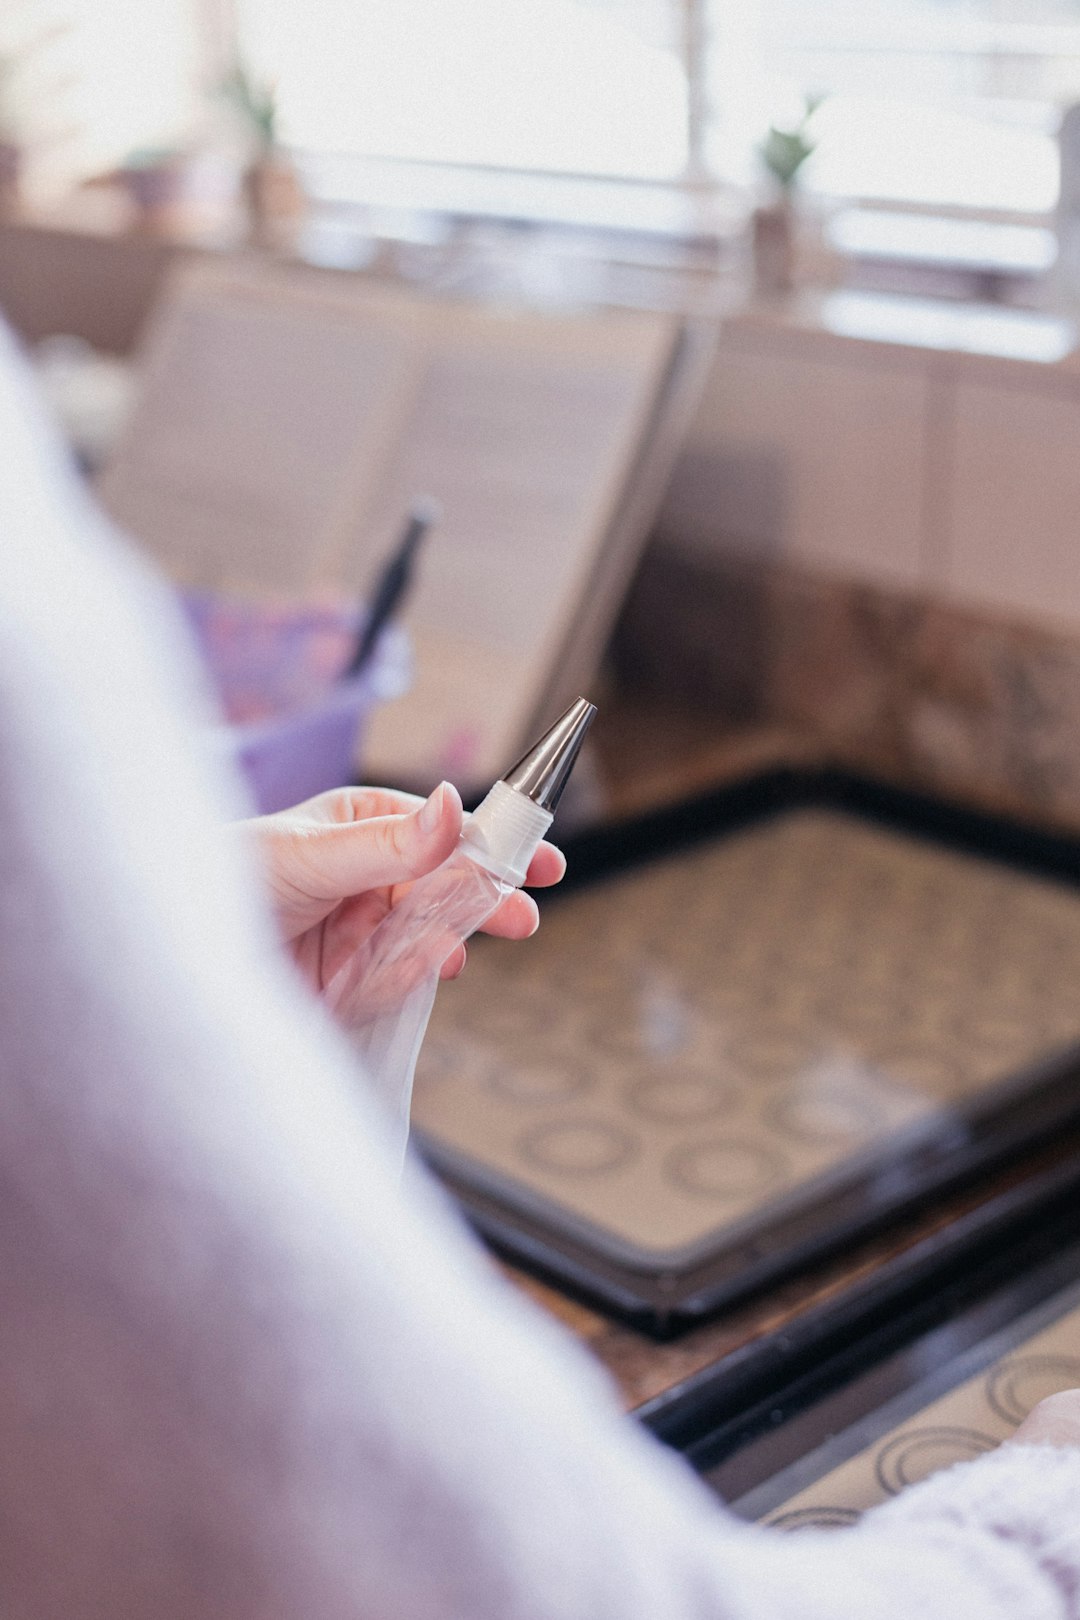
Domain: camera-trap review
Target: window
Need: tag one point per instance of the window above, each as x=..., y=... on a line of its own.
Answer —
x=946, y=102
x=585, y=86
x=949, y=102
x=939, y=102
x=86, y=81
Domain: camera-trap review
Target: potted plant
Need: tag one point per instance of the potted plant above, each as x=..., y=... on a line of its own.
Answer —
x=156, y=181
x=12, y=151
x=783, y=153
x=271, y=188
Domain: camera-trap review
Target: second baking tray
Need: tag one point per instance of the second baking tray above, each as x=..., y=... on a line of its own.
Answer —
x=933, y=1360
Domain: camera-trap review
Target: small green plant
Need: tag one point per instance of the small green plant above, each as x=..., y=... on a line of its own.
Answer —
x=256, y=103
x=785, y=150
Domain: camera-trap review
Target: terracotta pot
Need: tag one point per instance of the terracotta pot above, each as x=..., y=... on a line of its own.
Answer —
x=11, y=165
x=774, y=248
x=158, y=192
x=274, y=200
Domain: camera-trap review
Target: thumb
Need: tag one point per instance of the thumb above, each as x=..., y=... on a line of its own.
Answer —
x=348, y=858
x=391, y=849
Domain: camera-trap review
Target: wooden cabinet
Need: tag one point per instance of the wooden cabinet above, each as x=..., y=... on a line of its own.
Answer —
x=922, y=469
x=805, y=456
x=1013, y=535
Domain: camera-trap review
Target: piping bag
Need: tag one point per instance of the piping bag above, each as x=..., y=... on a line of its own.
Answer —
x=384, y=994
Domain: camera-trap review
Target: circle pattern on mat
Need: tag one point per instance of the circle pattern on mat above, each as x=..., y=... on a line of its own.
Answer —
x=579, y=1147
x=679, y=1099
x=931, y=1071
x=725, y=1169
x=918, y=1453
x=644, y=1028
x=547, y=1079
x=442, y=1059
x=816, y=1518
x=1015, y=1386
x=772, y=1053
x=514, y=1014
x=824, y=1114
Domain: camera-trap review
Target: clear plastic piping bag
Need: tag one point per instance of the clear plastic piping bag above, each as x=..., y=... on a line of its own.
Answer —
x=384, y=994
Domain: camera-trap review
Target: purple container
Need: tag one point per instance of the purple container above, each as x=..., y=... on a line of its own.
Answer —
x=295, y=730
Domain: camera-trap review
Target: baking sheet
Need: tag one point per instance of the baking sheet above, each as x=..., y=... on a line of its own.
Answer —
x=704, y=1040
x=914, y=1438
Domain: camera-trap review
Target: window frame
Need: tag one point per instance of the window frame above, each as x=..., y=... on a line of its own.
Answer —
x=701, y=185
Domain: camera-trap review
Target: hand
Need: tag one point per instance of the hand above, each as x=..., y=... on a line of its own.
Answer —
x=1054, y=1422
x=336, y=864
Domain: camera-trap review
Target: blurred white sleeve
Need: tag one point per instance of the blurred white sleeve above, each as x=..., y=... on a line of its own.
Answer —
x=241, y=1372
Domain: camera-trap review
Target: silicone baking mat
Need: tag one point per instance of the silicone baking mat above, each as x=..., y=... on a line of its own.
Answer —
x=701, y=1044
x=910, y=1445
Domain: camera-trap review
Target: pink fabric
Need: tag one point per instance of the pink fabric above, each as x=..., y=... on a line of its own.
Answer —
x=242, y=1374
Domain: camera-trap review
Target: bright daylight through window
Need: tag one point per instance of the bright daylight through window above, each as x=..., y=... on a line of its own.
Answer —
x=935, y=102
x=556, y=85
x=947, y=102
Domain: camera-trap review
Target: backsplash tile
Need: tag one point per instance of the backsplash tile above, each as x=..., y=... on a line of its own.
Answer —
x=930, y=694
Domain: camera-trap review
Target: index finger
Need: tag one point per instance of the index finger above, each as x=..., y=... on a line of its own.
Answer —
x=547, y=866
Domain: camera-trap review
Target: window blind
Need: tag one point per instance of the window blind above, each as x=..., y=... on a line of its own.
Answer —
x=931, y=101
x=585, y=86
x=950, y=101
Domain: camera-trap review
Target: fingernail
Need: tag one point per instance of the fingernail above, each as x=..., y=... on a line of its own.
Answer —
x=431, y=810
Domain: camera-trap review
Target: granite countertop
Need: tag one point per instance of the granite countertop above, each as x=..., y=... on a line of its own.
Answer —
x=646, y=754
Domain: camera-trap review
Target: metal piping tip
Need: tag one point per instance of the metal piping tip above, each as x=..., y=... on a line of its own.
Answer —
x=543, y=772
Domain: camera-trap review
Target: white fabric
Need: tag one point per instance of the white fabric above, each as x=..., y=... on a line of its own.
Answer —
x=242, y=1373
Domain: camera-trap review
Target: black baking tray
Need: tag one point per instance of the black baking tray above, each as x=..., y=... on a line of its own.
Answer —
x=1023, y=1108
x=768, y=1423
